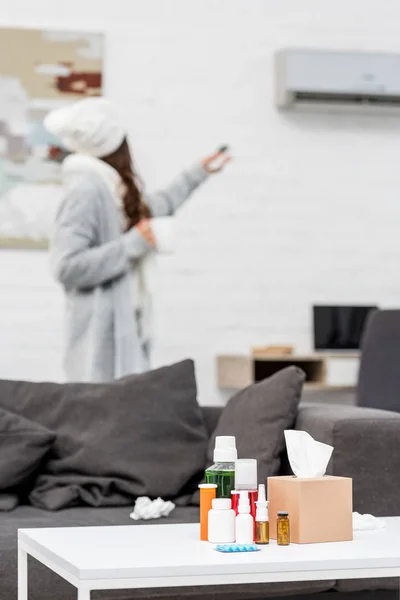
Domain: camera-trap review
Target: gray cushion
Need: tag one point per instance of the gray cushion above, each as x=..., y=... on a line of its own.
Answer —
x=142, y=435
x=9, y=501
x=23, y=444
x=258, y=416
x=211, y=415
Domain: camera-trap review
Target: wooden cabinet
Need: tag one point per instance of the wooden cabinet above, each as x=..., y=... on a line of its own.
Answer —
x=237, y=372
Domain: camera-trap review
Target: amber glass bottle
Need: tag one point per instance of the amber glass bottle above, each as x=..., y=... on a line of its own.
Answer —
x=283, y=529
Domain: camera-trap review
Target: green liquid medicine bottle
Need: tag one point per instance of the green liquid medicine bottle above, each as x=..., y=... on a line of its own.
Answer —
x=222, y=472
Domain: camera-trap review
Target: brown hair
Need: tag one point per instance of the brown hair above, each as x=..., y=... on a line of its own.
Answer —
x=134, y=206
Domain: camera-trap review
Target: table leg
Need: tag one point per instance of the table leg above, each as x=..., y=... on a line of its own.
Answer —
x=83, y=593
x=22, y=575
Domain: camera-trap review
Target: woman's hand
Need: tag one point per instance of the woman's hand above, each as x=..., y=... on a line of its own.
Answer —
x=146, y=231
x=216, y=162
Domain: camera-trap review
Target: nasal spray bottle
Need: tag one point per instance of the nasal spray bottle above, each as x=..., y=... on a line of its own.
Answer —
x=244, y=521
x=262, y=523
x=245, y=480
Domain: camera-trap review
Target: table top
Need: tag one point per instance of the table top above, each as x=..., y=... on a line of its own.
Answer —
x=173, y=555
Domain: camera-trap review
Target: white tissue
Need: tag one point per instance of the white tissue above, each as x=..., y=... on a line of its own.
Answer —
x=151, y=509
x=366, y=522
x=307, y=457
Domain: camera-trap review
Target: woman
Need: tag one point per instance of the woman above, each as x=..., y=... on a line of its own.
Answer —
x=102, y=233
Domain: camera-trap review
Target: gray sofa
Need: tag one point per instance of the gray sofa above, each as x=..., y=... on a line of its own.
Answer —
x=367, y=444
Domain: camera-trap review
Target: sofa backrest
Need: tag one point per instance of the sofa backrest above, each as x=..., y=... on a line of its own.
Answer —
x=379, y=376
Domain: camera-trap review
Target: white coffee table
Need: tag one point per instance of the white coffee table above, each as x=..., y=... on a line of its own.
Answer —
x=105, y=558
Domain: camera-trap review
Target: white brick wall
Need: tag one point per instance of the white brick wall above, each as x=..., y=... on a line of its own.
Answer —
x=309, y=211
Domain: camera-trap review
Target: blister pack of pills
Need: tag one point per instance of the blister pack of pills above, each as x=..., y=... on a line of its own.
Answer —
x=237, y=548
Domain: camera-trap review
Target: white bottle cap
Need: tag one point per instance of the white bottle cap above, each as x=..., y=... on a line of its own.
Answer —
x=225, y=449
x=221, y=503
x=246, y=474
x=244, y=503
x=262, y=505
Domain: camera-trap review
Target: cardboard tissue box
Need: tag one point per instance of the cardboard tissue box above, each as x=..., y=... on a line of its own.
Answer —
x=320, y=507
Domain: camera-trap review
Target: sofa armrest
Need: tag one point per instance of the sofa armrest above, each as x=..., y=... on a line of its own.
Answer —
x=366, y=447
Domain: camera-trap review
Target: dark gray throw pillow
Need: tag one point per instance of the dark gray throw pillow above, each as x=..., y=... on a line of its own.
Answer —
x=23, y=444
x=143, y=435
x=258, y=416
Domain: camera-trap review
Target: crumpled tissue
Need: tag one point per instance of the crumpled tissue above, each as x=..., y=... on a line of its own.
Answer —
x=307, y=457
x=366, y=522
x=151, y=509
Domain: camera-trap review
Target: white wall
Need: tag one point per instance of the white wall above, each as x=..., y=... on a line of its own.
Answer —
x=309, y=211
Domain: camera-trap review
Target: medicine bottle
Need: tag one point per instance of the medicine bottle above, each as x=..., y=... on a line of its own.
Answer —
x=244, y=520
x=221, y=522
x=246, y=479
x=208, y=492
x=222, y=472
x=262, y=522
x=283, y=529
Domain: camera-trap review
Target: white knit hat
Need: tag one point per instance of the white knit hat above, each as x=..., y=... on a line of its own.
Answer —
x=92, y=126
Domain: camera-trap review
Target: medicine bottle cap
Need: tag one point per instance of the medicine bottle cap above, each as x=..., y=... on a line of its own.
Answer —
x=262, y=504
x=283, y=513
x=221, y=504
x=225, y=449
x=246, y=474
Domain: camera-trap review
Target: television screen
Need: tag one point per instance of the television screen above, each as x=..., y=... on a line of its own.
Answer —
x=339, y=327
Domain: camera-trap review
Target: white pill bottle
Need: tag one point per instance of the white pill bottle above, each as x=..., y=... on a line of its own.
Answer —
x=221, y=522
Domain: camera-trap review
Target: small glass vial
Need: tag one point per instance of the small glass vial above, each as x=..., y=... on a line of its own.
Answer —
x=262, y=533
x=283, y=529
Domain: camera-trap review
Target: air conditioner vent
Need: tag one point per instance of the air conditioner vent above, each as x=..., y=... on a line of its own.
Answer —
x=340, y=99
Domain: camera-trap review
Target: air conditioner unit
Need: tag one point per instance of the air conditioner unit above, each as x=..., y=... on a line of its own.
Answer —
x=330, y=79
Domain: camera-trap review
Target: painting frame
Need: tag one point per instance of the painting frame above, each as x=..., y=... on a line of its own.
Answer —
x=53, y=67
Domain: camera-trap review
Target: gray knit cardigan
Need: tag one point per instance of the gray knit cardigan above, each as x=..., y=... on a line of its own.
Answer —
x=92, y=260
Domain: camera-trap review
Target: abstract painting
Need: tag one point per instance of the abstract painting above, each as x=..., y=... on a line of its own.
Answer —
x=39, y=70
